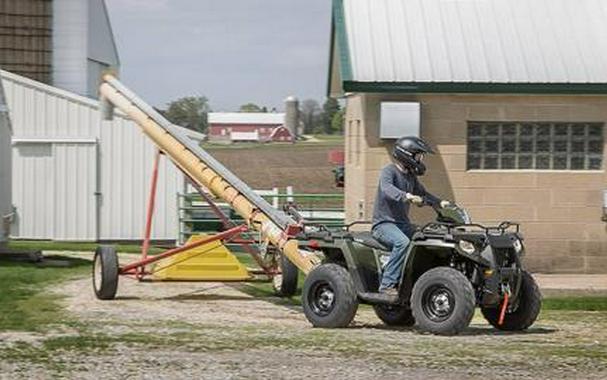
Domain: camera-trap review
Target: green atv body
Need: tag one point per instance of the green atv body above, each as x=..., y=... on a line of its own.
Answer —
x=452, y=266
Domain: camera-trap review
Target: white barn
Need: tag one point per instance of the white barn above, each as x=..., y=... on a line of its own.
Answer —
x=77, y=177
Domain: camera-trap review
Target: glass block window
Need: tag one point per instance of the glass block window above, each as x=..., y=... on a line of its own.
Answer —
x=539, y=146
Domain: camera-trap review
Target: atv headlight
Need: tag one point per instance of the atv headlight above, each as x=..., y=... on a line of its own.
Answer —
x=467, y=247
x=518, y=246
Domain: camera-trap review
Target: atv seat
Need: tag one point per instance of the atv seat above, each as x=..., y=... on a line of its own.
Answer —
x=365, y=238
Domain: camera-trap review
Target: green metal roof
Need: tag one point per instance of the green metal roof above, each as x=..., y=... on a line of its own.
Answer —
x=469, y=46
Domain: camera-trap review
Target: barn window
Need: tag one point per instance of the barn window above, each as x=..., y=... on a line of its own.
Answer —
x=531, y=145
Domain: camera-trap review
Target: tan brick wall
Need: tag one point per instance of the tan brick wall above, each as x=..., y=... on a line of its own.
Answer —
x=560, y=211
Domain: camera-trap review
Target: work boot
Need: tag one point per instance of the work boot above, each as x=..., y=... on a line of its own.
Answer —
x=391, y=291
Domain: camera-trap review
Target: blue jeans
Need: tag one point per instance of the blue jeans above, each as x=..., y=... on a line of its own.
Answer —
x=397, y=238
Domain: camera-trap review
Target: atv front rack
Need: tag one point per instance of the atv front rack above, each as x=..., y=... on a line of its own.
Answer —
x=499, y=230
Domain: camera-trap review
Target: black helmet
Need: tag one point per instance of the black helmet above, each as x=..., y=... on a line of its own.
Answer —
x=409, y=152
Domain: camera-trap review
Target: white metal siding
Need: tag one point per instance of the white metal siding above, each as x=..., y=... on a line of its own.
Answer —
x=74, y=185
x=5, y=165
x=55, y=170
x=127, y=159
x=538, y=41
x=33, y=189
x=55, y=191
x=41, y=111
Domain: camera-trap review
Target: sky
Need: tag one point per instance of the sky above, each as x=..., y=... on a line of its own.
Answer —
x=231, y=51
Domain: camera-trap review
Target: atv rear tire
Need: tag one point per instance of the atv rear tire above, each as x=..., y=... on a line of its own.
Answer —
x=526, y=313
x=443, y=301
x=394, y=315
x=105, y=272
x=285, y=284
x=329, y=298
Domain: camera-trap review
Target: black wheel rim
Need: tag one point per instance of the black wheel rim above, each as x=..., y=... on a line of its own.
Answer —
x=438, y=303
x=321, y=298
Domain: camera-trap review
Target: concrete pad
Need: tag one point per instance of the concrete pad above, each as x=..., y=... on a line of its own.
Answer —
x=578, y=283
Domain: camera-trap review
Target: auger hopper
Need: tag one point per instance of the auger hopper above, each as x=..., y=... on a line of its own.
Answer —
x=203, y=171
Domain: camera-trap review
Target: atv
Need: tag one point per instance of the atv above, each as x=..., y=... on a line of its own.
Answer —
x=452, y=266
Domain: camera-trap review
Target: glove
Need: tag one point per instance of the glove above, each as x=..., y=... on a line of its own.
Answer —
x=415, y=199
x=444, y=204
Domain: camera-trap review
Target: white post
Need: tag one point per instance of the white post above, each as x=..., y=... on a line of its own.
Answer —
x=289, y=192
x=275, y=199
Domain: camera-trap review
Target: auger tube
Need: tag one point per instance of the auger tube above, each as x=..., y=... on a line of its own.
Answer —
x=207, y=171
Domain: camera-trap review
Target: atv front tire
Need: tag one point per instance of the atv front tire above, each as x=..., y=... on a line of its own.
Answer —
x=329, y=298
x=105, y=272
x=394, y=315
x=529, y=305
x=443, y=301
x=285, y=284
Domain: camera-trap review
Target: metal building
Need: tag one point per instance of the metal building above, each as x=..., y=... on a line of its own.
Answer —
x=76, y=177
x=64, y=43
x=512, y=94
x=5, y=170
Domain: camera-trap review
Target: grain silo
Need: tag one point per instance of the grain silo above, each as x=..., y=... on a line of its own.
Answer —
x=63, y=43
x=292, y=115
x=5, y=169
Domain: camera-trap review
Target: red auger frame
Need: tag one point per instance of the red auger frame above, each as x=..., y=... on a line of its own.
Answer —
x=138, y=270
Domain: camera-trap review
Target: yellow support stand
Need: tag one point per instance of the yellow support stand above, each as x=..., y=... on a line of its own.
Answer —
x=208, y=262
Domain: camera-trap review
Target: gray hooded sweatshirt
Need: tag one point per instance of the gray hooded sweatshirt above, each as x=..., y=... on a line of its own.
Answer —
x=391, y=205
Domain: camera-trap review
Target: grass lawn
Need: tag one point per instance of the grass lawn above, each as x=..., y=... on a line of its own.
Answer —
x=25, y=303
x=35, y=245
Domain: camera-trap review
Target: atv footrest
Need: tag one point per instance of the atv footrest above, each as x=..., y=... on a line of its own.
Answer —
x=375, y=298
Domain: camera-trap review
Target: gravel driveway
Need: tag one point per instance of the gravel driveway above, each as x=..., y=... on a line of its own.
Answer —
x=176, y=330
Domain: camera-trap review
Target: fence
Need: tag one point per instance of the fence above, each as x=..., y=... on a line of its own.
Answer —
x=196, y=216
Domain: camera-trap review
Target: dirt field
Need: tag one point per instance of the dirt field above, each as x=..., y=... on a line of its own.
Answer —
x=303, y=166
x=218, y=331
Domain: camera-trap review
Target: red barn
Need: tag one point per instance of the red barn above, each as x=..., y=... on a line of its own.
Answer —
x=281, y=134
x=247, y=126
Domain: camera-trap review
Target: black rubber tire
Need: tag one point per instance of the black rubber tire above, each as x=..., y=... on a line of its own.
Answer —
x=460, y=292
x=345, y=301
x=286, y=284
x=526, y=313
x=394, y=315
x=105, y=272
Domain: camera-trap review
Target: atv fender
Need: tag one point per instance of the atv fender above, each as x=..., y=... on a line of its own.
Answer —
x=363, y=266
x=422, y=256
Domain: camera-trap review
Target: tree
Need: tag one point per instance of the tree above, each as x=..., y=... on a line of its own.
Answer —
x=189, y=112
x=337, y=123
x=310, y=115
x=252, y=107
x=329, y=109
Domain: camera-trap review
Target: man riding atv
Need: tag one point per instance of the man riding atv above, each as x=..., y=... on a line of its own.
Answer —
x=399, y=188
x=436, y=274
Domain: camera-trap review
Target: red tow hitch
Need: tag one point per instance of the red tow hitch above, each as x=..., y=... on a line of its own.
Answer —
x=503, y=308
